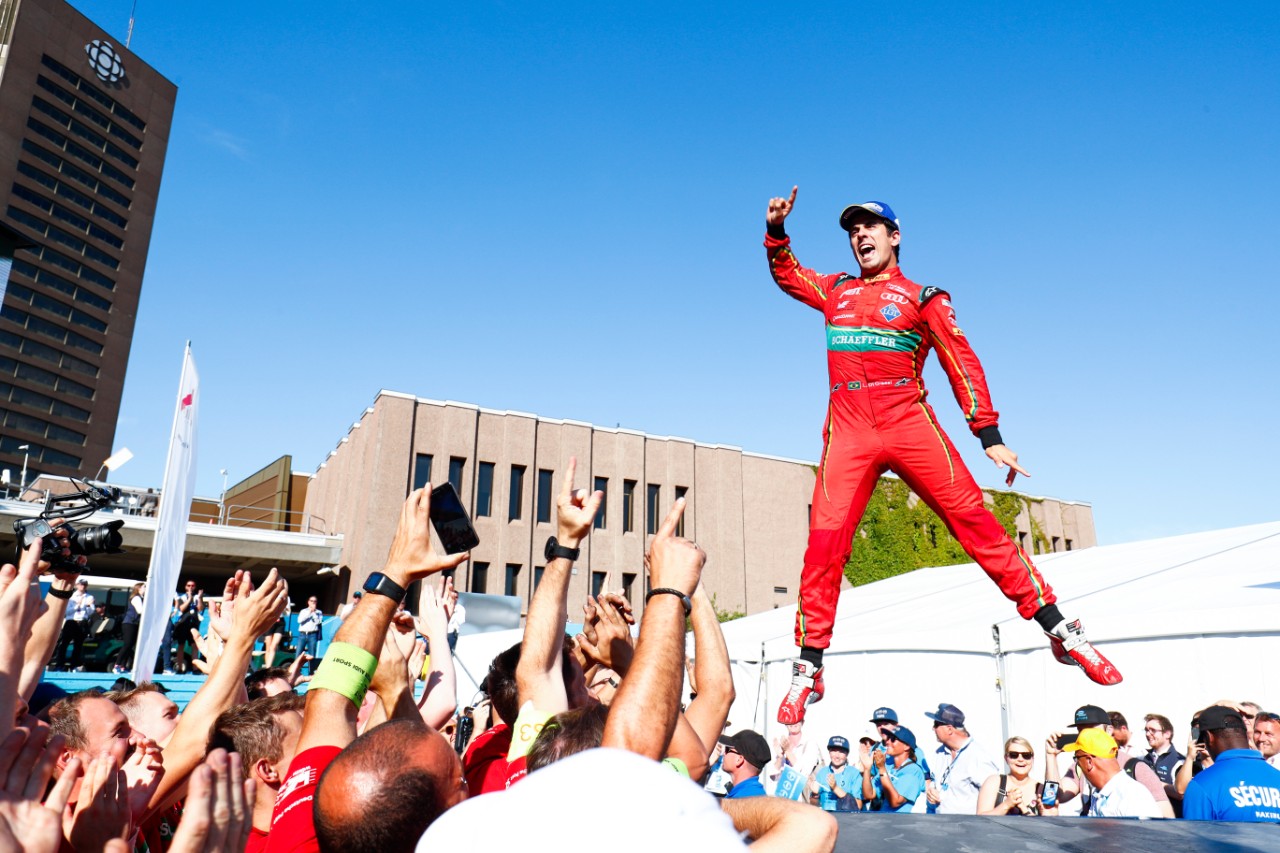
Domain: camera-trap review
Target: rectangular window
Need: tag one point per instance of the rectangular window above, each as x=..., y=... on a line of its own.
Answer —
x=681, y=491
x=515, y=502
x=484, y=489
x=628, y=506
x=1069, y=543
x=653, y=492
x=479, y=577
x=780, y=590
x=628, y=586
x=597, y=582
x=1056, y=540
x=512, y=585
x=456, y=464
x=545, y=499
x=537, y=575
x=602, y=486
x=422, y=471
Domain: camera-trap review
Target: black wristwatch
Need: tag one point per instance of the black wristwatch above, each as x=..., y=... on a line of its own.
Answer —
x=666, y=590
x=380, y=584
x=556, y=551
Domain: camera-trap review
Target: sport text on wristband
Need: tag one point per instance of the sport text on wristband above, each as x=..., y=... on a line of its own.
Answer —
x=347, y=670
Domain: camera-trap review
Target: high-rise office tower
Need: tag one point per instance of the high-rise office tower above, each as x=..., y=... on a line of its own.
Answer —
x=84, y=124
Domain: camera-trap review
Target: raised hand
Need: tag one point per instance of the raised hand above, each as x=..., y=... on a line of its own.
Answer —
x=606, y=637
x=101, y=812
x=26, y=764
x=411, y=556
x=218, y=812
x=142, y=773
x=780, y=208
x=575, y=509
x=221, y=613
x=675, y=563
x=256, y=610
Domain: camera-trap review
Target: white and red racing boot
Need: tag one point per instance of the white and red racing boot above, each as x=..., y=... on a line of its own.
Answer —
x=1071, y=647
x=806, y=688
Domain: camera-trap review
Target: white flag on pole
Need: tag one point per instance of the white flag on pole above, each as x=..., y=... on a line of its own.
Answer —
x=171, y=526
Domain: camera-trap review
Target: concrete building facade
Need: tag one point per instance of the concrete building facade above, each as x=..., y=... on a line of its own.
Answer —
x=748, y=511
x=84, y=127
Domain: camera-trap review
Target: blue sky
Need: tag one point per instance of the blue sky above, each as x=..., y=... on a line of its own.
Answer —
x=558, y=208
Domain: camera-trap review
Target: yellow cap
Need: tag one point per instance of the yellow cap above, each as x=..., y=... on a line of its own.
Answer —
x=1095, y=742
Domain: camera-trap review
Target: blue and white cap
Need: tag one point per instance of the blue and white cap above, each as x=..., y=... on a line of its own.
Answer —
x=838, y=742
x=877, y=208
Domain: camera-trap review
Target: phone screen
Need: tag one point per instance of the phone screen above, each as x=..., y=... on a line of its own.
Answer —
x=1066, y=739
x=449, y=517
x=1049, y=794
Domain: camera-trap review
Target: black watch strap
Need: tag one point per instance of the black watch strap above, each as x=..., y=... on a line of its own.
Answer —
x=556, y=551
x=380, y=584
x=64, y=594
x=666, y=590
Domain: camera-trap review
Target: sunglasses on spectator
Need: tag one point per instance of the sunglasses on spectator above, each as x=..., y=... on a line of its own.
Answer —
x=1029, y=756
x=728, y=750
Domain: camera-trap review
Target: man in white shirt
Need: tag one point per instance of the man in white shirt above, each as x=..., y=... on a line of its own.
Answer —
x=959, y=766
x=794, y=750
x=1114, y=793
x=310, y=621
x=74, y=628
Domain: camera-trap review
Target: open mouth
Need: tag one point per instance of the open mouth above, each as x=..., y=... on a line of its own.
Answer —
x=866, y=250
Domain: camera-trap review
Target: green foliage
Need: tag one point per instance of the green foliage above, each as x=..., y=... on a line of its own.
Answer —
x=725, y=615
x=900, y=534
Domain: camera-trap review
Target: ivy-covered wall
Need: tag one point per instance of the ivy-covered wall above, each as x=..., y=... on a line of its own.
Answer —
x=899, y=533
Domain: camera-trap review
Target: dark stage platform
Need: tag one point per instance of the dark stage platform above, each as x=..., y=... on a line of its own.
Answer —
x=892, y=833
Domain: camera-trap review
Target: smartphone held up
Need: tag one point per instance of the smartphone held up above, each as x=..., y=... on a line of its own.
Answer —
x=450, y=520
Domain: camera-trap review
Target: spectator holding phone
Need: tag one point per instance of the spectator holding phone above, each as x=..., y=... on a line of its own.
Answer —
x=1015, y=792
x=310, y=626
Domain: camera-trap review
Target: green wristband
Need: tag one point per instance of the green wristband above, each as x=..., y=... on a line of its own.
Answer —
x=345, y=669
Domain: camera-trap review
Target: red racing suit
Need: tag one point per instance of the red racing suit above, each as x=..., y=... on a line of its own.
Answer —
x=879, y=332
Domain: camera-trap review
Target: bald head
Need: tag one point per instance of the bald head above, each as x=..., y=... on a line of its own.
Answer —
x=403, y=772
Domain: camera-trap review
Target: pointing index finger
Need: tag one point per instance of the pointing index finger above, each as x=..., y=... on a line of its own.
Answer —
x=795, y=189
x=669, y=523
x=566, y=488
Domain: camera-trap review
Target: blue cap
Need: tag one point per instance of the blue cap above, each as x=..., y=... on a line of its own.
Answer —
x=948, y=714
x=876, y=208
x=904, y=734
x=838, y=742
x=882, y=715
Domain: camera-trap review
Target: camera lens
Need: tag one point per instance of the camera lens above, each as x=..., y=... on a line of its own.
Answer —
x=103, y=539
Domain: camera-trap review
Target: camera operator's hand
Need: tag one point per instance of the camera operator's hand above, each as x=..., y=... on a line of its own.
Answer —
x=411, y=556
x=606, y=637
x=575, y=509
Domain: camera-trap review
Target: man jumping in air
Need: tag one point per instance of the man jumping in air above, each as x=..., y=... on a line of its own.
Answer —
x=880, y=328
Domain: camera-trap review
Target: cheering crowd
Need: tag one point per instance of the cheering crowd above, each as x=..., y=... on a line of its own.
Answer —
x=590, y=723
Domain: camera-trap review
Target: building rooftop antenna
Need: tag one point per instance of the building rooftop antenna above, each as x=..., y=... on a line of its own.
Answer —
x=133, y=12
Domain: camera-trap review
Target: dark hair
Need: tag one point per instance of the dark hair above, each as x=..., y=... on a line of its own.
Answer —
x=255, y=682
x=1267, y=717
x=1165, y=725
x=500, y=683
x=1118, y=720
x=404, y=800
x=568, y=733
x=251, y=729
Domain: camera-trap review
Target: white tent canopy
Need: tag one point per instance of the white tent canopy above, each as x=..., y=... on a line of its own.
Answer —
x=1188, y=620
